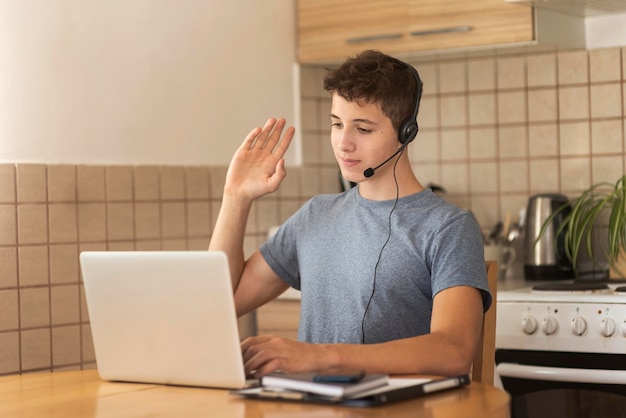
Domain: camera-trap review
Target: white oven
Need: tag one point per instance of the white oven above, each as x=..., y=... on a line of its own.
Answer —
x=561, y=349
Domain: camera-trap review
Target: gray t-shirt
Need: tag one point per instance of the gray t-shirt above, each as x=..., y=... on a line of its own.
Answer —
x=351, y=292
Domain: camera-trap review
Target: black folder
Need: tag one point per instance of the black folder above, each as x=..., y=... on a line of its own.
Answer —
x=397, y=390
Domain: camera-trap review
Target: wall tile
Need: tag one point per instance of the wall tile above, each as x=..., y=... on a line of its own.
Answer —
x=147, y=220
x=484, y=177
x=218, y=178
x=453, y=111
x=61, y=183
x=542, y=105
x=606, y=100
x=65, y=305
x=290, y=187
x=605, y=64
x=429, y=74
x=311, y=149
x=455, y=178
x=573, y=103
x=197, y=183
x=10, y=358
x=155, y=245
x=483, y=143
x=267, y=215
x=92, y=222
x=172, y=183
x=31, y=183
x=482, y=74
x=9, y=310
x=120, y=221
x=453, y=144
x=32, y=224
x=309, y=114
x=8, y=272
x=8, y=228
x=173, y=220
x=88, y=351
x=64, y=267
x=119, y=183
x=198, y=219
x=607, y=137
x=426, y=146
x=606, y=168
x=33, y=265
x=452, y=77
x=511, y=106
x=177, y=244
x=146, y=182
x=512, y=141
x=36, y=353
x=34, y=307
x=575, y=174
x=514, y=176
x=544, y=176
x=428, y=115
x=482, y=108
x=90, y=183
x=543, y=140
x=541, y=70
x=486, y=209
x=310, y=81
x=573, y=67
x=575, y=138
x=7, y=183
x=63, y=223
x=511, y=72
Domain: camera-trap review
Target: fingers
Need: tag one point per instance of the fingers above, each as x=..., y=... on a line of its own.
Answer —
x=269, y=137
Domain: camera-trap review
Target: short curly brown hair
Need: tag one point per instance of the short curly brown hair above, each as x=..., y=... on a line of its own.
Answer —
x=374, y=77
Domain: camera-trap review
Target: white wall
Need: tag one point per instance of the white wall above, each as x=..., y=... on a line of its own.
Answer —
x=141, y=81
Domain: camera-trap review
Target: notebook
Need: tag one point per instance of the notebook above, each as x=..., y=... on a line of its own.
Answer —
x=165, y=317
x=396, y=389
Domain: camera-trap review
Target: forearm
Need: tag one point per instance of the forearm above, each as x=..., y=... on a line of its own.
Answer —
x=428, y=354
x=229, y=233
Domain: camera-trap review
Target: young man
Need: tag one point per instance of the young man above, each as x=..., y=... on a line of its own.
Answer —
x=392, y=278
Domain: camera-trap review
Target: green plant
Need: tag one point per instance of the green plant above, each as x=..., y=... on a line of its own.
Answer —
x=578, y=225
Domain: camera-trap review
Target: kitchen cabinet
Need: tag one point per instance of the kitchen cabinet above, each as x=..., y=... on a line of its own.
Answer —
x=279, y=317
x=331, y=30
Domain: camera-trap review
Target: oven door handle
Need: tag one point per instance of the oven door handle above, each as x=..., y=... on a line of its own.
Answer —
x=562, y=374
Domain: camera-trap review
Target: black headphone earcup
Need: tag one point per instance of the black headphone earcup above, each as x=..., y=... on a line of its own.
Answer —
x=408, y=131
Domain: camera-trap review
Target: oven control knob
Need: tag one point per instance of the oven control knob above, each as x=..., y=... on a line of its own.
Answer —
x=529, y=324
x=578, y=325
x=607, y=326
x=550, y=325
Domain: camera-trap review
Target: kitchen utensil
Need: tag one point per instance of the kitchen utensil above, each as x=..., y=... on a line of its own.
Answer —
x=545, y=259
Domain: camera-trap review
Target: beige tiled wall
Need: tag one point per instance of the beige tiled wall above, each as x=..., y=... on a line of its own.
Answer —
x=495, y=130
x=50, y=213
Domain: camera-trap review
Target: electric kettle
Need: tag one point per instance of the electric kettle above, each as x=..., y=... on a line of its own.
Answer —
x=545, y=259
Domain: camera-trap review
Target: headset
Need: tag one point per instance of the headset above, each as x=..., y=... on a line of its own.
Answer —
x=408, y=128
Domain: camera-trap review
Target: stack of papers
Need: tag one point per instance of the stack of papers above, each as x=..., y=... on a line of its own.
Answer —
x=371, y=390
x=306, y=382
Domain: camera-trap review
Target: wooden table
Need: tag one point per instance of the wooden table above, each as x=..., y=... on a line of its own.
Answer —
x=84, y=394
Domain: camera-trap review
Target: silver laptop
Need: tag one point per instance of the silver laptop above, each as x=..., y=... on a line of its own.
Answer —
x=164, y=317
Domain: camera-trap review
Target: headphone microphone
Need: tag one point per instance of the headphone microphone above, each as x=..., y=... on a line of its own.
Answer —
x=408, y=128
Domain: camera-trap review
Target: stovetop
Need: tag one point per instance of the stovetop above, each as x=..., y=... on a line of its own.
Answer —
x=563, y=316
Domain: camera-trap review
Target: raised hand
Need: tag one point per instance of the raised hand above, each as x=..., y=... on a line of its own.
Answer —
x=258, y=167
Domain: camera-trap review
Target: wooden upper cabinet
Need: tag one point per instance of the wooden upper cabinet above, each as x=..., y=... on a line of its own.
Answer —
x=331, y=30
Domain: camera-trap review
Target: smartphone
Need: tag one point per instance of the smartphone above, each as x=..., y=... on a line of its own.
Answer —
x=339, y=377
